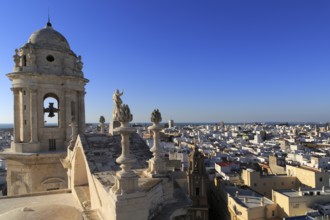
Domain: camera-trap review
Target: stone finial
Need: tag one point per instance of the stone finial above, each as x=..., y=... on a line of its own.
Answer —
x=101, y=125
x=157, y=166
x=102, y=119
x=156, y=117
x=126, y=178
x=124, y=114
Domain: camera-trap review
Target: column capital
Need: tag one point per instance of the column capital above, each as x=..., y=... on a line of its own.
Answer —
x=16, y=89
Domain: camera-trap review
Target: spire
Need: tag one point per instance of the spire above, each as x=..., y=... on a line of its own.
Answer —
x=48, y=23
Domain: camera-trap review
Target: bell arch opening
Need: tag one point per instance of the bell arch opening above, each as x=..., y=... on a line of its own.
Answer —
x=51, y=110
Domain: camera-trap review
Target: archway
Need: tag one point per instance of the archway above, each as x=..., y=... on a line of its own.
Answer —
x=51, y=110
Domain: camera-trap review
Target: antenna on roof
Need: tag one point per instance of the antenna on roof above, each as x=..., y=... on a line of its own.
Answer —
x=48, y=23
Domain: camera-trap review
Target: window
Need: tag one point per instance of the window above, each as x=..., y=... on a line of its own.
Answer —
x=50, y=58
x=321, y=179
x=197, y=191
x=255, y=185
x=52, y=144
x=273, y=213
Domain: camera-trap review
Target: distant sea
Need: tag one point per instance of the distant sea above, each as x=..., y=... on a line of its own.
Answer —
x=2, y=126
x=6, y=126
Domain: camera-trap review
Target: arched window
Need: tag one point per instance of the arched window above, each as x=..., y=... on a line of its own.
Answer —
x=51, y=110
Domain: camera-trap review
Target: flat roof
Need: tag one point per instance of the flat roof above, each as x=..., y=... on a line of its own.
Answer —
x=303, y=192
x=246, y=196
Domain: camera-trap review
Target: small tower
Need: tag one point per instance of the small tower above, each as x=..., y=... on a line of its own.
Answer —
x=197, y=185
x=49, y=92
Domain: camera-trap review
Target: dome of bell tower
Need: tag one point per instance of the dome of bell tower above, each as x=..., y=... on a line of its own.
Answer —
x=48, y=52
x=49, y=38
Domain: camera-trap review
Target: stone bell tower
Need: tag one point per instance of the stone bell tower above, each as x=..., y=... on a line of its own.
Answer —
x=49, y=92
x=197, y=186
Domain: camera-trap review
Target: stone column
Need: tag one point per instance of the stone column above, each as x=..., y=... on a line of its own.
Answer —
x=16, y=115
x=157, y=164
x=33, y=116
x=22, y=115
x=126, y=179
x=81, y=110
x=68, y=118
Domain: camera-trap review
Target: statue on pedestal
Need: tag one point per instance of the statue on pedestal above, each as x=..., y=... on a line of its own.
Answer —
x=17, y=58
x=80, y=64
x=117, y=102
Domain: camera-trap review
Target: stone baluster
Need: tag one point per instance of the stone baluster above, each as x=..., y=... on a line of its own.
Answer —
x=157, y=165
x=101, y=125
x=127, y=180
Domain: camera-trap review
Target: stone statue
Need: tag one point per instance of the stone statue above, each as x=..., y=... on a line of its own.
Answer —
x=156, y=117
x=124, y=114
x=17, y=58
x=117, y=103
x=80, y=64
x=31, y=55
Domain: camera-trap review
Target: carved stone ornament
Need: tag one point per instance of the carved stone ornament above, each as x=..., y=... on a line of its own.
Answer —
x=156, y=117
x=124, y=114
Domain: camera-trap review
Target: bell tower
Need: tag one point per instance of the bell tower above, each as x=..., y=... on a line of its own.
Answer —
x=197, y=186
x=48, y=86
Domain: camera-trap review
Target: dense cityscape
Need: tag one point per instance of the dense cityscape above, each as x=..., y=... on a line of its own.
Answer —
x=253, y=169
x=72, y=148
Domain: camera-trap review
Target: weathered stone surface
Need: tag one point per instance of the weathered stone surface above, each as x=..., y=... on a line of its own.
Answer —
x=102, y=150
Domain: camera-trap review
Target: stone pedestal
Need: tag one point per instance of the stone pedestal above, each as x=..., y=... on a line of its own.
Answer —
x=126, y=179
x=112, y=127
x=101, y=125
x=157, y=165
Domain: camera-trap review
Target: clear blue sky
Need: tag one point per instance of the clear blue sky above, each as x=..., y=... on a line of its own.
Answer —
x=197, y=61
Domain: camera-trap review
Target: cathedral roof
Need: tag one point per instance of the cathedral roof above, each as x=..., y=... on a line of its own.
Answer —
x=101, y=151
x=48, y=38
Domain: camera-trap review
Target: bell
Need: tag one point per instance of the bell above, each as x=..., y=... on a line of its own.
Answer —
x=51, y=110
x=51, y=114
